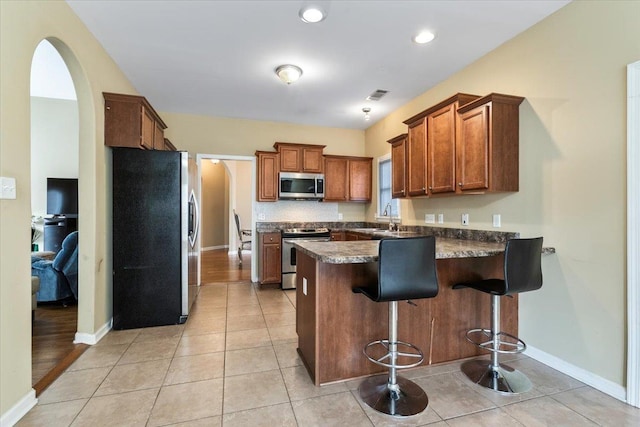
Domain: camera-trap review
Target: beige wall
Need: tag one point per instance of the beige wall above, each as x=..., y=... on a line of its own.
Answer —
x=214, y=205
x=23, y=24
x=215, y=135
x=571, y=70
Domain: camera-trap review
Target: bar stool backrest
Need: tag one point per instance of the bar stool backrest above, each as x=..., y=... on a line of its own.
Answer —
x=522, y=265
x=407, y=269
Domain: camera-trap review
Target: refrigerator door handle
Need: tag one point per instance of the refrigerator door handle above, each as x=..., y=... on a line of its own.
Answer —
x=195, y=220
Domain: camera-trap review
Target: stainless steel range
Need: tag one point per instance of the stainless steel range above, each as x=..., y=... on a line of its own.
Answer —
x=289, y=251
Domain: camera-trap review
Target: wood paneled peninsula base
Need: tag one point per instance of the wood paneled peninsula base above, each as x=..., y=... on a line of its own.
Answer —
x=334, y=324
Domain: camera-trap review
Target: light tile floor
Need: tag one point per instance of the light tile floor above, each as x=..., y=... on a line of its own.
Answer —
x=234, y=363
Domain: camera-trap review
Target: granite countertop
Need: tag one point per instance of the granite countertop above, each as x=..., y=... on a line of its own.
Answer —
x=363, y=251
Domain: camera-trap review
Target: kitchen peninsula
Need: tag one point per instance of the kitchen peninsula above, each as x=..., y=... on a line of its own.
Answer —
x=333, y=324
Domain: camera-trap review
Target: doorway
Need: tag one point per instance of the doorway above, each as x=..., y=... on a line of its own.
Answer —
x=227, y=185
x=54, y=154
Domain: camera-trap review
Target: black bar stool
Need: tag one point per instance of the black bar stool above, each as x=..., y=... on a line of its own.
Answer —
x=406, y=271
x=522, y=273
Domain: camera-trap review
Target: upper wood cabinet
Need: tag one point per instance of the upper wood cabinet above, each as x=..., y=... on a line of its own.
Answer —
x=168, y=146
x=398, y=166
x=268, y=167
x=130, y=121
x=487, y=144
x=417, y=158
x=347, y=179
x=431, y=148
x=300, y=157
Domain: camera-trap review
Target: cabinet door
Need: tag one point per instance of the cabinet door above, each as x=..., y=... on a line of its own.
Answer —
x=148, y=129
x=336, y=179
x=290, y=159
x=360, y=180
x=271, y=261
x=399, y=169
x=441, y=146
x=417, y=158
x=312, y=161
x=472, y=166
x=158, y=137
x=267, y=177
x=338, y=236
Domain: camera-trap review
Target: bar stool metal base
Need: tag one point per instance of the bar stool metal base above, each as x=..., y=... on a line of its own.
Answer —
x=407, y=399
x=502, y=378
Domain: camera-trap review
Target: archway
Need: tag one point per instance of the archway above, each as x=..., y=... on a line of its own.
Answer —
x=87, y=209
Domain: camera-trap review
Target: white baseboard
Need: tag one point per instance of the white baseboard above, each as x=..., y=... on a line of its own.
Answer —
x=213, y=248
x=91, y=339
x=604, y=385
x=19, y=410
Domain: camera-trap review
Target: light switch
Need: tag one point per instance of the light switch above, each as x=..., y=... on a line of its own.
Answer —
x=7, y=188
x=440, y=218
x=339, y=217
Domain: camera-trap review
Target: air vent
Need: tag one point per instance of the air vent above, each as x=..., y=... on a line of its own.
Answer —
x=375, y=96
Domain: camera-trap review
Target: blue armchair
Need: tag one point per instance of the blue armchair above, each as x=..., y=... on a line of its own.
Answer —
x=58, y=278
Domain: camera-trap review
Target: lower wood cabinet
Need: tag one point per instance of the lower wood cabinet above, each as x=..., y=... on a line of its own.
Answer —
x=338, y=236
x=270, y=261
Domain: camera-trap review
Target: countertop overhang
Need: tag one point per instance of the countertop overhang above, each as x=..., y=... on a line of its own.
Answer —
x=364, y=251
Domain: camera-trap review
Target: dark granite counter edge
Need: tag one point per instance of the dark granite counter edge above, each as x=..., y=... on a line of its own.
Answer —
x=451, y=233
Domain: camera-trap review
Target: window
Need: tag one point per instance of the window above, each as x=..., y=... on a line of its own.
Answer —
x=387, y=207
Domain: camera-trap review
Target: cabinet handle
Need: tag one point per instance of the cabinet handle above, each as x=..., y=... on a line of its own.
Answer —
x=271, y=239
x=459, y=184
x=430, y=188
x=108, y=108
x=424, y=189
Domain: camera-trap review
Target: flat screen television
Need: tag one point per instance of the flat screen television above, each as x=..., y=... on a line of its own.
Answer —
x=62, y=196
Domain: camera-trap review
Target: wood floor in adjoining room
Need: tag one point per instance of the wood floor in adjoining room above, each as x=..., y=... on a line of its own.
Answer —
x=218, y=265
x=52, y=347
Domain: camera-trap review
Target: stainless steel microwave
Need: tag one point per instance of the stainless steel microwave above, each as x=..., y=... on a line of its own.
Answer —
x=301, y=186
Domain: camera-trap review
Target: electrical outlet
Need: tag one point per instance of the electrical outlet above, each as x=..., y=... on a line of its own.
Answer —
x=339, y=217
x=261, y=216
x=465, y=219
x=440, y=218
x=429, y=218
x=496, y=221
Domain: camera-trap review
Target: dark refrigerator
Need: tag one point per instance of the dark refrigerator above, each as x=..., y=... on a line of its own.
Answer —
x=155, y=225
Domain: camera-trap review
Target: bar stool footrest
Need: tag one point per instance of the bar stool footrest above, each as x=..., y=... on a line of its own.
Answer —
x=412, y=352
x=483, y=338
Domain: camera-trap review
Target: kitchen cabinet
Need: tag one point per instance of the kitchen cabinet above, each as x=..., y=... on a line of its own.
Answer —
x=270, y=261
x=347, y=179
x=431, y=148
x=168, y=146
x=487, y=144
x=300, y=157
x=268, y=166
x=338, y=236
x=354, y=235
x=398, y=166
x=130, y=121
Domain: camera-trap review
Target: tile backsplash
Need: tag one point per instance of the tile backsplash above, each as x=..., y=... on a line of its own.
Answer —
x=286, y=210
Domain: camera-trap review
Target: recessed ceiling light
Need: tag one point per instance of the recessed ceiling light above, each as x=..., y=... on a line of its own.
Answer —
x=311, y=14
x=288, y=73
x=424, y=37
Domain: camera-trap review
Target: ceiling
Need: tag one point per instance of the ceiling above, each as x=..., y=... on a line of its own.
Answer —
x=218, y=58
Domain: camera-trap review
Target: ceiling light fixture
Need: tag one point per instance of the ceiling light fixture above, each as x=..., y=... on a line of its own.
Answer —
x=366, y=111
x=288, y=73
x=424, y=37
x=311, y=14
x=215, y=161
